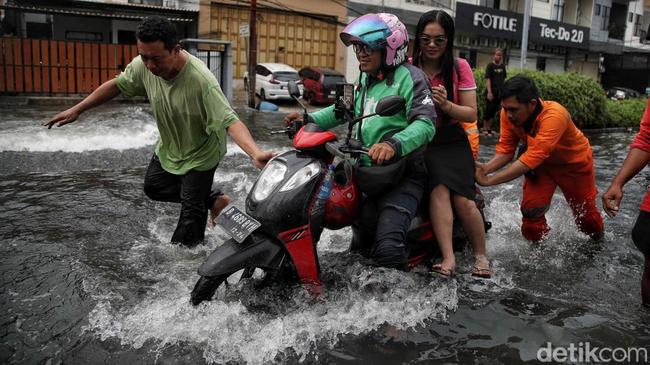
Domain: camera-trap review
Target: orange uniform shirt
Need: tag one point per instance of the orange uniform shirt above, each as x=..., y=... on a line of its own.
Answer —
x=473, y=136
x=555, y=141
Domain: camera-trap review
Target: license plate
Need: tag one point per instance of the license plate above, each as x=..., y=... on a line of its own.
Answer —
x=237, y=224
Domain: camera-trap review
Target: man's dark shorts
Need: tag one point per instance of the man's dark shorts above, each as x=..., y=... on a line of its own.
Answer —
x=491, y=108
x=641, y=233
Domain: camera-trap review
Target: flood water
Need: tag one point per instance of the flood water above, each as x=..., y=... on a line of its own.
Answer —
x=88, y=275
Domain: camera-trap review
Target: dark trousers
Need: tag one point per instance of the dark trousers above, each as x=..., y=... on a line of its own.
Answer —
x=641, y=233
x=491, y=107
x=193, y=190
x=389, y=216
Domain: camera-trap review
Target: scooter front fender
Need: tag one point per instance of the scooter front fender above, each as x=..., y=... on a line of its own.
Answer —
x=258, y=250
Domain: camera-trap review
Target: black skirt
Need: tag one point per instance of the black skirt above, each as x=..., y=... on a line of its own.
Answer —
x=450, y=162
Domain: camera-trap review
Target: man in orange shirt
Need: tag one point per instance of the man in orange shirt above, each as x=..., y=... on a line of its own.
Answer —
x=557, y=154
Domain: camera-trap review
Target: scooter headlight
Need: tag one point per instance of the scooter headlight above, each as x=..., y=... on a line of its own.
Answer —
x=269, y=179
x=302, y=176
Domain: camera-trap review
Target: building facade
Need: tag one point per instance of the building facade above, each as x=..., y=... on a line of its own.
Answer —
x=624, y=29
x=606, y=40
x=70, y=47
x=558, y=39
x=93, y=20
x=298, y=33
x=603, y=39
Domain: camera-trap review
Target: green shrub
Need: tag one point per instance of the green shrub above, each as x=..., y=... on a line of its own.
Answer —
x=583, y=97
x=625, y=113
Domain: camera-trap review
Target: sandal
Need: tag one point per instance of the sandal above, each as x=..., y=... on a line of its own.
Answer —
x=481, y=268
x=448, y=273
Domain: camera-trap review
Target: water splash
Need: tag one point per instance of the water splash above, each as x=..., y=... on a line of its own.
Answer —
x=228, y=331
x=131, y=128
x=246, y=324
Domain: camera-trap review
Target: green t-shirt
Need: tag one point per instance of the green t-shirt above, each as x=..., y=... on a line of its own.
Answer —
x=191, y=112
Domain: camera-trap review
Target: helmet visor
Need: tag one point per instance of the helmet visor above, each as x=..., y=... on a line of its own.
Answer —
x=369, y=29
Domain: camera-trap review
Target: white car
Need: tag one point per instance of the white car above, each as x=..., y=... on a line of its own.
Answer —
x=271, y=80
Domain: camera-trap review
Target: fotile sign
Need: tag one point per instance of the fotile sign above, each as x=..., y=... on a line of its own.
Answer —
x=473, y=20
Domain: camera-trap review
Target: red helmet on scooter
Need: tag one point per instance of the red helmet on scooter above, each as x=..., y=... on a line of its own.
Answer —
x=342, y=207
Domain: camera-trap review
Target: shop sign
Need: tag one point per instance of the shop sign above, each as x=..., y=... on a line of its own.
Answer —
x=487, y=21
x=558, y=34
x=472, y=19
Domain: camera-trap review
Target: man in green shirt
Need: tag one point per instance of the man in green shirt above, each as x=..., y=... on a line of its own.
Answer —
x=192, y=115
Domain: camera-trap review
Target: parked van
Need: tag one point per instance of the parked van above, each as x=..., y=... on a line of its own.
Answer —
x=271, y=80
x=320, y=84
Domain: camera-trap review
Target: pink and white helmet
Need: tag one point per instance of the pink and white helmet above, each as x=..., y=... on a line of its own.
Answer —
x=379, y=31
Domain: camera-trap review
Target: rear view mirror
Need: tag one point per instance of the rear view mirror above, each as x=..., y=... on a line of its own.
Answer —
x=294, y=91
x=390, y=105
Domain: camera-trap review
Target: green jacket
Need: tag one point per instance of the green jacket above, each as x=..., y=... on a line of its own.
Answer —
x=410, y=128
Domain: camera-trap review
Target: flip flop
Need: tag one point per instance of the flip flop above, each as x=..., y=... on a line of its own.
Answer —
x=448, y=273
x=481, y=268
x=481, y=272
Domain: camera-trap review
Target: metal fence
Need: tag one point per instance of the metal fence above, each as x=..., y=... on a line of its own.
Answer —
x=217, y=55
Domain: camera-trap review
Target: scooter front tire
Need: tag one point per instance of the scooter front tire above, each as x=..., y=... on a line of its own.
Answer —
x=206, y=286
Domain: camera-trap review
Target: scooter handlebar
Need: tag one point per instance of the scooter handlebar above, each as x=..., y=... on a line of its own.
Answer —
x=290, y=130
x=280, y=131
x=343, y=150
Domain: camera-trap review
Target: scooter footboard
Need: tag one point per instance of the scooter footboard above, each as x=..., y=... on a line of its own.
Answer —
x=258, y=250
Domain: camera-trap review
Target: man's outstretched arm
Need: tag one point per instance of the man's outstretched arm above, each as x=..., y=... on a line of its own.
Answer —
x=102, y=94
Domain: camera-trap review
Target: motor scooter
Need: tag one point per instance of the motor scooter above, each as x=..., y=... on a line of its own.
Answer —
x=298, y=194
